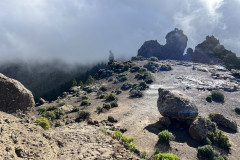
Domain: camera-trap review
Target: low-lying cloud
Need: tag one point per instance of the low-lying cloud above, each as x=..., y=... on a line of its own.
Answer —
x=84, y=31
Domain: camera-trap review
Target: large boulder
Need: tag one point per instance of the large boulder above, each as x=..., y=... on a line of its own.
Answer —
x=176, y=42
x=176, y=106
x=224, y=122
x=14, y=96
x=200, y=127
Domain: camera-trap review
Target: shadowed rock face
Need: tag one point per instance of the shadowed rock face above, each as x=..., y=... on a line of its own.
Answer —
x=176, y=43
x=176, y=106
x=14, y=96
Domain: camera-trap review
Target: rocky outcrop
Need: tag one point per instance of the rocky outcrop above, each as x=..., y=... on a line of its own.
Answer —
x=210, y=51
x=176, y=106
x=176, y=42
x=224, y=122
x=200, y=127
x=14, y=96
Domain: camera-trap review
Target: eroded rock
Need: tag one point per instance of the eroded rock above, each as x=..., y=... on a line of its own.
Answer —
x=14, y=96
x=176, y=106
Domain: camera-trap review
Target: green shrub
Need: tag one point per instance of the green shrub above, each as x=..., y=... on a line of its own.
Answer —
x=117, y=135
x=117, y=91
x=209, y=98
x=237, y=110
x=126, y=86
x=219, y=139
x=114, y=104
x=206, y=152
x=49, y=115
x=104, y=131
x=165, y=68
x=75, y=109
x=142, y=85
x=103, y=88
x=136, y=94
x=59, y=113
x=43, y=122
x=143, y=155
x=102, y=96
x=138, y=58
x=122, y=77
x=51, y=108
x=106, y=106
x=42, y=110
x=61, y=104
x=166, y=156
x=135, y=69
x=154, y=59
x=211, y=115
x=151, y=66
x=165, y=136
x=82, y=116
x=217, y=96
x=85, y=97
x=131, y=147
x=85, y=103
x=111, y=97
x=99, y=109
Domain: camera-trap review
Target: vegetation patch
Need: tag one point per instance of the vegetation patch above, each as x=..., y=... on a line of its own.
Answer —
x=165, y=136
x=85, y=103
x=153, y=59
x=126, y=86
x=219, y=139
x=106, y=106
x=75, y=109
x=166, y=67
x=209, y=98
x=99, y=109
x=43, y=122
x=114, y=104
x=138, y=58
x=136, y=94
x=85, y=97
x=134, y=69
x=207, y=152
x=103, y=88
x=82, y=116
x=166, y=156
x=122, y=77
x=111, y=97
x=127, y=142
x=151, y=66
x=217, y=96
x=237, y=110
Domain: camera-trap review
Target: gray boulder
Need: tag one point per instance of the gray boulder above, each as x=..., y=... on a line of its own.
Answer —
x=200, y=127
x=14, y=96
x=224, y=122
x=176, y=106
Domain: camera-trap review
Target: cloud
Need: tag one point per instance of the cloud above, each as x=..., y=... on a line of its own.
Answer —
x=85, y=31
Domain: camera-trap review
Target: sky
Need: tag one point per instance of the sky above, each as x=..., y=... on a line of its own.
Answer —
x=83, y=31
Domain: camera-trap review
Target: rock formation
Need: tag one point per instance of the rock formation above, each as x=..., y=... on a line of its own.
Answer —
x=14, y=96
x=200, y=128
x=210, y=51
x=176, y=106
x=176, y=43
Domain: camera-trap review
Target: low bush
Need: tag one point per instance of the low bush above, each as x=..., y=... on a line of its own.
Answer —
x=117, y=135
x=143, y=155
x=114, y=104
x=104, y=131
x=151, y=66
x=85, y=97
x=126, y=141
x=75, y=109
x=206, y=152
x=219, y=139
x=111, y=97
x=165, y=136
x=136, y=94
x=59, y=113
x=87, y=89
x=103, y=88
x=99, y=109
x=43, y=122
x=209, y=98
x=82, y=116
x=237, y=110
x=61, y=103
x=106, y=106
x=138, y=58
x=126, y=86
x=49, y=115
x=85, y=103
x=153, y=59
x=166, y=156
x=165, y=68
x=122, y=77
x=217, y=96
x=117, y=91
x=42, y=110
x=135, y=69
x=142, y=85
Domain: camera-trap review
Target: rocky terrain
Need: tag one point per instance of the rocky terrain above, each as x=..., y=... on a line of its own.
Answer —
x=82, y=124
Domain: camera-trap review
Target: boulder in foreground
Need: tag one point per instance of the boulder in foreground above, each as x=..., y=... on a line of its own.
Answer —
x=14, y=96
x=176, y=106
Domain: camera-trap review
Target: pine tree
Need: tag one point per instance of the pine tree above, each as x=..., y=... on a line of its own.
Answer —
x=90, y=80
x=80, y=83
x=74, y=82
